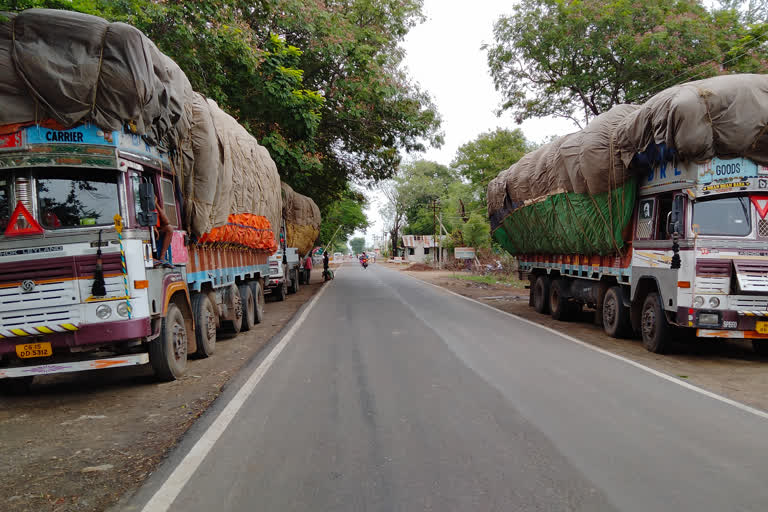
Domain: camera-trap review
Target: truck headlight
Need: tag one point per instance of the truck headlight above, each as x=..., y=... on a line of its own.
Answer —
x=698, y=301
x=709, y=319
x=103, y=311
x=122, y=309
x=714, y=302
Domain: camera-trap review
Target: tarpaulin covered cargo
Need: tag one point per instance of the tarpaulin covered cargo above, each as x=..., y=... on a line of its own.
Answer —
x=72, y=67
x=302, y=220
x=576, y=194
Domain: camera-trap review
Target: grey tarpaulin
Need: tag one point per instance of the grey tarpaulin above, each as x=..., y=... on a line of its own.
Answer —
x=73, y=67
x=302, y=219
x=725, y=116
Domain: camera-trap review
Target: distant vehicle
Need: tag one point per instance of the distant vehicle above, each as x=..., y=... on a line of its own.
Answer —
x=338, y=256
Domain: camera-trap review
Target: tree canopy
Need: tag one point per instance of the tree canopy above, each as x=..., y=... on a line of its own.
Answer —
x=357, y=244
x=576, y=59
x=481, y=160
x=317, y=83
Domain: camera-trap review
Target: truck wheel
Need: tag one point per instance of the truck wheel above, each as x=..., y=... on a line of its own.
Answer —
x=205, y=325
x=258, y=297
x=236, y=323
x=168, y=353
x=281, y=291
x=559, y=306
x=16, y=386
x=616, y=321
x=654, y=327
x=541, y=295
x=760, y=347
x=294, y=288
x=249, y=307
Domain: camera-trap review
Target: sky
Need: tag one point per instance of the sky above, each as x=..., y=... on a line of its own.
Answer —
x=443, y=56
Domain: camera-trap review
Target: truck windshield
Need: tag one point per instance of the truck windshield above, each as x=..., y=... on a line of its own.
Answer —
x=73, y=198
x=5, y=202
x=727, y=216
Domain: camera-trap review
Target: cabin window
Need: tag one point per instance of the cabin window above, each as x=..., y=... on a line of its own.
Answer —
x=727, y=216
x=76, y=198
x=645, y=218
x=169, y=201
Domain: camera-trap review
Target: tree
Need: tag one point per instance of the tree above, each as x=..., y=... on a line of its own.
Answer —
x=477, y=232
x=482, y=159
x=419, y=183
x=576, y=59
x=342, y=218
x=393, y=212
x=357, y=244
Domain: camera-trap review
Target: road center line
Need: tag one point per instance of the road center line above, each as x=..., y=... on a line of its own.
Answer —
x=162, y=500
x=734, y=403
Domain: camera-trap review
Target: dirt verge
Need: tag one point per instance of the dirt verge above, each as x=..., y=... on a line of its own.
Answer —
x=77, y=442
x=726, y=367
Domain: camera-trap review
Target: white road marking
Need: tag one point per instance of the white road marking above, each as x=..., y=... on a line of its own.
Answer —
x=734, y=403
x=162, y=500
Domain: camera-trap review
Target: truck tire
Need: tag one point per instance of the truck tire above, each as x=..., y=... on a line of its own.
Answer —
x=616, y=321
x=205, y=325
x=16, y=386
x=654, y=328
x=281, y=291
x=760, y=347
x=258, y=298
x=559, y=307
x=541, y=295
x=249, y=307
x=294, y=281
x=168, y=353
x=236, y=323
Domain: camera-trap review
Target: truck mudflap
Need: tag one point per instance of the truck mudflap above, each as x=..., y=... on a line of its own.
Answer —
x=76, y=366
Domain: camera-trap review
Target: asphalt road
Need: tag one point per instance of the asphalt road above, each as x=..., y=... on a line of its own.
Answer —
x=394, y=395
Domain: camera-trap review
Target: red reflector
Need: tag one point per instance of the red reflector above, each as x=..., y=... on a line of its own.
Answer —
x=22, y=223
x=761, y=204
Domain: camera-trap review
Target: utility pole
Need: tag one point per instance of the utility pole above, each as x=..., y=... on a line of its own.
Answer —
x=440, y=244
x=435, y=205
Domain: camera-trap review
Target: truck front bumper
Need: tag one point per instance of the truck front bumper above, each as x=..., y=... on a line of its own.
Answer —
x=75, y=366
x=88, y=334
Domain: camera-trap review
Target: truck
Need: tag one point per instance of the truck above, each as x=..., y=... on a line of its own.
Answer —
x=285, y=270
x=671, y=246
x=136, y=216
x=299, y=228
x=77, y=211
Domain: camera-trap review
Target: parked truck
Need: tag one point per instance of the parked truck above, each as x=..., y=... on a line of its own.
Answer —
x=654, y=215
x=299, y=229
x=85, y=280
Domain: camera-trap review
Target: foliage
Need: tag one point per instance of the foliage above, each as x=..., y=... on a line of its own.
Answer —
x=345, y=214
x=576, y=59
x=357, y=244
x=419, y=183
x=482, y=159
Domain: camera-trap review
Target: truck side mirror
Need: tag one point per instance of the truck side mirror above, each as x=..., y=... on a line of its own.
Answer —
x=147, y=216
x=676, y=216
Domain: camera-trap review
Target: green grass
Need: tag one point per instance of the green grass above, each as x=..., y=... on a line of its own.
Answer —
x=491, y=279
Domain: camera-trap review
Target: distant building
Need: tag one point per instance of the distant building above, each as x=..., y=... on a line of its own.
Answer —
x=422, y=248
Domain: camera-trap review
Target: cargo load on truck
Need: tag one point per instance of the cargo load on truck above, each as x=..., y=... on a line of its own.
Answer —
x=302, y=220
x=113, y=76
x=576, y=194
x=109, y=74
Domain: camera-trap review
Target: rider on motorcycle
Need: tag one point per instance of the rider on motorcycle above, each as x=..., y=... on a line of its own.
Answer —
x=364, y=260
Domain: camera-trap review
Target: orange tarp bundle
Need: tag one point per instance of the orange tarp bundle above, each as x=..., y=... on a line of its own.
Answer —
x=244, y=229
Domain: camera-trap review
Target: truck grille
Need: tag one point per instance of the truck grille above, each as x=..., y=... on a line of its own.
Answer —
x=749, y=303
x=38, y=321
x=752, y=275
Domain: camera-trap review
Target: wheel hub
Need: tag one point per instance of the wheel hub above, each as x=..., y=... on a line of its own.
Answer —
x=609, y=311
x=649, y=322
x=179, y=336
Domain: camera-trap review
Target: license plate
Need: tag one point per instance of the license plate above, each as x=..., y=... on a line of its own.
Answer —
x=28, y=350
x=762, y=327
